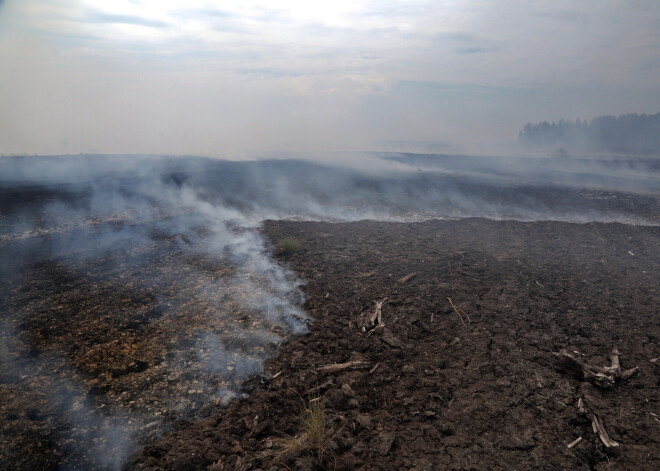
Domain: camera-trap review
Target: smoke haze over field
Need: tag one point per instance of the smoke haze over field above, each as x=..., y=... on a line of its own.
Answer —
x=252, y=78
x=138, y=290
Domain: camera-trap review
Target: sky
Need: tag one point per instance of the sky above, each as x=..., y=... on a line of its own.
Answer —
x=248, y=78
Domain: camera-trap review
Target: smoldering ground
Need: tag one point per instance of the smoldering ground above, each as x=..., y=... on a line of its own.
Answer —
x=128, y=309
x=139, y=293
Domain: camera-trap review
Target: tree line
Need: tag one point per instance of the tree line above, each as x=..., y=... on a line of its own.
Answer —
x=624, y=134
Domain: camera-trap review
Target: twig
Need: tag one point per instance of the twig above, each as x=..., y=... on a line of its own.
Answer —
x=377, y=316
x=574, y=442
x=349, y=365
x=382, y=326
x=408, y=277
x=459, y=311
x=602, y=433
x=596, y=425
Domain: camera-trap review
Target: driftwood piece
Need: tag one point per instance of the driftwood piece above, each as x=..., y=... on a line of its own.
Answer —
x=349, y=365
x=603, y=377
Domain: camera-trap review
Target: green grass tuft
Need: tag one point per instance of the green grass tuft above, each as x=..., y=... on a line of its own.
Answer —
x=288, y=245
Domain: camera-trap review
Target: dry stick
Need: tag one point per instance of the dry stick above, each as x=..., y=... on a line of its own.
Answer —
x=597, y=426
x=595, y=374
x=379, y=326
x=628, y=373
x=408, y=277
x=603, y=377
x=574, y=442
x=354, y=364
x=377, y=314
x=458, y=311
x=600, y=430
x=615, y=369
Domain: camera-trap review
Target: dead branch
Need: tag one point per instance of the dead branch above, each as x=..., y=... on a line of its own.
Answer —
x=615, y=369
x=602, y=433
x=459, y=311
x=408, y=277
x=349, y=365
x=377, y=316
x=596, y=424
x=581, y=370
x=582, y=407
x=603, y=377
x=379, y=326
x=628, y=373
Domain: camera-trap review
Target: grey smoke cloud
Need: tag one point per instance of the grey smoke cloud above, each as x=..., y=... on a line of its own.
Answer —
x=183, y=78
x=113, y=214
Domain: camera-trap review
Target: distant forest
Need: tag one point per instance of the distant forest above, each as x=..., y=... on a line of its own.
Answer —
x=625, y=134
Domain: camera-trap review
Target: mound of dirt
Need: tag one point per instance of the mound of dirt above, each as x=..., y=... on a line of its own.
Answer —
x=460, y=372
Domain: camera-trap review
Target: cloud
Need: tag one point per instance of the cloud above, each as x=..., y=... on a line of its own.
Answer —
x=567, y=16
x=101, y=17
x=458, y=36
x=476, y=50
x=265, y=72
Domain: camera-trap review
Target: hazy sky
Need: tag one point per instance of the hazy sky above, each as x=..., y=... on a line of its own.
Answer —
x=236, y=78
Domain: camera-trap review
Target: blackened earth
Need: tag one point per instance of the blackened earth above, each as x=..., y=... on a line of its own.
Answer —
x=440, y=392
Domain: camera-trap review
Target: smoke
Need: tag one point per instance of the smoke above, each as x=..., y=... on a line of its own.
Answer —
x=85, y=438
x=99, y=255
x=140, y=292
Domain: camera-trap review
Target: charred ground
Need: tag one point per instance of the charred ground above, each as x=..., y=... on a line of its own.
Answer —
x=135, y=303
x=438, y=394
